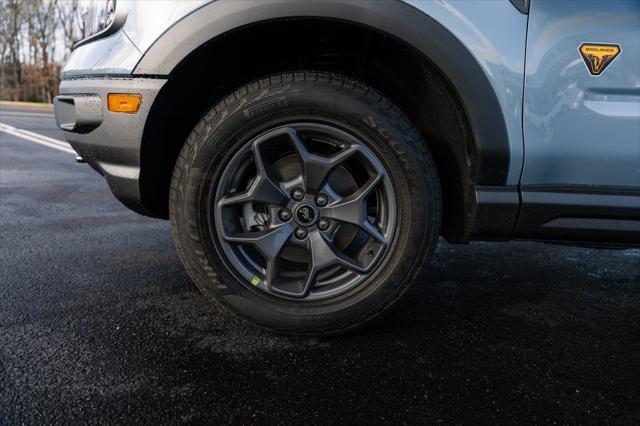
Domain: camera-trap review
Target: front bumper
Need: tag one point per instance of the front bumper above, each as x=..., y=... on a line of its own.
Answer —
x=110, y=142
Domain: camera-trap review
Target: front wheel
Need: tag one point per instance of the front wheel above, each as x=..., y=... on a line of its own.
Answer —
x=305, y=202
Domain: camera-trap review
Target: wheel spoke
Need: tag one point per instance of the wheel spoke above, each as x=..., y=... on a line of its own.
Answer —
x=269, y=243
x=323, y=255
x=271, y=272
x=264, y=189
x=353, y=209
x=316, y=168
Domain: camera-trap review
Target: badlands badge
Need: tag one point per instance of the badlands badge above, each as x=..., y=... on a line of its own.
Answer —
x=598, y=56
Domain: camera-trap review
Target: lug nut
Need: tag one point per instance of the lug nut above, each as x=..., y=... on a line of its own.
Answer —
x=285, y=215
x=323, y=223
x=297, y=194
x=301, y=232
x=322, y=200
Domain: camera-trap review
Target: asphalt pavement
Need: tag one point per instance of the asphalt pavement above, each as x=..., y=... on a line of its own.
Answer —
x=99, y=323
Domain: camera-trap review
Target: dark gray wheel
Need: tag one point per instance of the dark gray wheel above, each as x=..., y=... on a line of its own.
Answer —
x=306, y=203
x=304, y=211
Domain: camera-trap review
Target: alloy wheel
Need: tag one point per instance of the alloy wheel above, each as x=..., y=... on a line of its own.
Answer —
x=304, y=211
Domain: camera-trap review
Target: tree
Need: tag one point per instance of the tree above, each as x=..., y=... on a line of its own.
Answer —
x=70, y=21
x=43, y=24
x=30, y=34
x=13, y=27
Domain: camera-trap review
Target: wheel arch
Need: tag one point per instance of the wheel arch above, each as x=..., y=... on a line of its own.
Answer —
x=475, y=152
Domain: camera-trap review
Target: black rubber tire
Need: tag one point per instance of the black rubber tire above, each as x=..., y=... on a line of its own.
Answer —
x=319, y=97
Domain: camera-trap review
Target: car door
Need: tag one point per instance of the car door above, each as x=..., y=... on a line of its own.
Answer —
x=581, y=119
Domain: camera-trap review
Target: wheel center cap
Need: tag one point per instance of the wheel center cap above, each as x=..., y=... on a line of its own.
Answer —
x=306, y=214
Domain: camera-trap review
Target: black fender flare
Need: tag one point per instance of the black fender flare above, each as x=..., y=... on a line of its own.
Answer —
x=394, y=18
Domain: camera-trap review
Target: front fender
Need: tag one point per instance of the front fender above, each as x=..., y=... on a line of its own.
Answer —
x=483, y=61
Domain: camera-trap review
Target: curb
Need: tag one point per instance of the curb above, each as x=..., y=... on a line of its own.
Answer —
x=28, y=105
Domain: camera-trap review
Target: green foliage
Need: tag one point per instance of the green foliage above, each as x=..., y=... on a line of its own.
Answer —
x=32, y=97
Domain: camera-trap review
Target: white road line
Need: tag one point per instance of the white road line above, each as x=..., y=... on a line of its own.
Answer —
x=37, y=138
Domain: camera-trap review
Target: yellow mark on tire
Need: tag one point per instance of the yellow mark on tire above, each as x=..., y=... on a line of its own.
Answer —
x=255, y=280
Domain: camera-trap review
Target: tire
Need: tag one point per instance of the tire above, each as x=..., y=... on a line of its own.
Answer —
x=228, y=144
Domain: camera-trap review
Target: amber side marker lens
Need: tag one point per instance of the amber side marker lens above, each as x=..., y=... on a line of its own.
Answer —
x=124, y=102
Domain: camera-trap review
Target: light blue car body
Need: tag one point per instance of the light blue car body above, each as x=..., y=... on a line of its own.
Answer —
x=581, y=129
